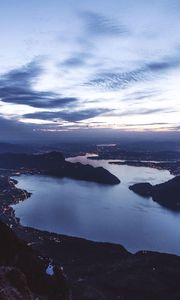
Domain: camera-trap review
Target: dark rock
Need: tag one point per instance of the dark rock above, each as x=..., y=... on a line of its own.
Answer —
x=13, y=285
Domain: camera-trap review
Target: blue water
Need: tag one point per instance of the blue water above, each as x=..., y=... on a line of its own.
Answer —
x=99, y=212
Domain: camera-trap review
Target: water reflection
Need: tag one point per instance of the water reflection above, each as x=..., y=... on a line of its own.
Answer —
x=99, y=212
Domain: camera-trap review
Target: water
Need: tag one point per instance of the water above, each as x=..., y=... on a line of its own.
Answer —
x=99, y=212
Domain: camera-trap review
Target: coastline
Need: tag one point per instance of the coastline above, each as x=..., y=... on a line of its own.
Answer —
x=173, y=167
x=102, y=270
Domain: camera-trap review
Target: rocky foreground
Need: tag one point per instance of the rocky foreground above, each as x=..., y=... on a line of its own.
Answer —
x=167, y=194
x=100, y=271
x=23, y=273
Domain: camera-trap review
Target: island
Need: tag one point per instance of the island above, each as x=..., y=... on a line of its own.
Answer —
x=54, y=164
x=166, y=194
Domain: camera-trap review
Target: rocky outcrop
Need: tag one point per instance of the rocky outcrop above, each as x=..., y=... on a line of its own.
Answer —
x=13, y=285
x=23, y=271
x=166, y=194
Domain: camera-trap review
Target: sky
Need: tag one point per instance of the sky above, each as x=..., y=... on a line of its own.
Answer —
x=81, y=66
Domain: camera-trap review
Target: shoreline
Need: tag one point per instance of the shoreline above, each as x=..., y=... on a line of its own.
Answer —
x=12, y=196
x=173, y=167
x=97, y=270
x=7, y=215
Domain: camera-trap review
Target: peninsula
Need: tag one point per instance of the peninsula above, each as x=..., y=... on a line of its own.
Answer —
x=166, y=194
x=54, y=164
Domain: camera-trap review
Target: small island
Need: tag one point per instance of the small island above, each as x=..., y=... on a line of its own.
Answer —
x=166, y=194
x=54, y=164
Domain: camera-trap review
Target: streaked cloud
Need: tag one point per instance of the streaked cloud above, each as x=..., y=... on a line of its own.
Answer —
x=71, y=116
x=17, y=87
x=99, y=25
x=90, y=64
x=149, y=70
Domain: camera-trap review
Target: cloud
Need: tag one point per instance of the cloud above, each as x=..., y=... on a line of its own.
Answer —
x=97, y=24
x=140, y=111
x=73, y=62
x=164, y=65
x=142, y=95
x=23, y=76
x=69, y=116
x=79, y=58
x=76, y=116
x=111, y=81
x=16, y=87
x=147, y=71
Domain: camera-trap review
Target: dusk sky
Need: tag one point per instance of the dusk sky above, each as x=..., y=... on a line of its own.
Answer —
x=89, y=64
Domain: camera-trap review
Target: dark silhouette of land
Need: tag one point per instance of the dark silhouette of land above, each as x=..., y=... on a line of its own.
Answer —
x=54, y=164
x=94, y=270
x=23, y=271
x=167, y=194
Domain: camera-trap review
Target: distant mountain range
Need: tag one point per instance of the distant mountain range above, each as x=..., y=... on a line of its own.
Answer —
x=15, y=148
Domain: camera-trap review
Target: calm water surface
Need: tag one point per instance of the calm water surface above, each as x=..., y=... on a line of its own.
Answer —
x=99, y=212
